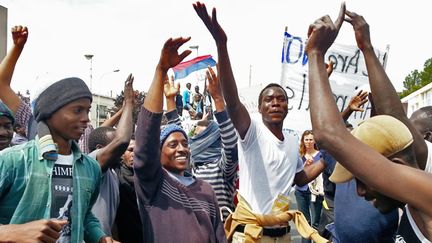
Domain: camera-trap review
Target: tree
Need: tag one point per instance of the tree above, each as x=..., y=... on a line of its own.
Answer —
x=416, y=80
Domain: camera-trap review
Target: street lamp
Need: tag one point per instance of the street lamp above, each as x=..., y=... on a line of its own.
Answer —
x=195, y=47
x=112, y=71
x=90, y=57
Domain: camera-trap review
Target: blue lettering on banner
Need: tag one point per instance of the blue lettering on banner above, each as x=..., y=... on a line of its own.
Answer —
x=287, y=52
x=292, y=53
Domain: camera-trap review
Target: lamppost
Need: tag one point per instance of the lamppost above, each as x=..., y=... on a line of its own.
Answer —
x=195, y=47
x=90, y=57
x=106, y=73
x=198, y=76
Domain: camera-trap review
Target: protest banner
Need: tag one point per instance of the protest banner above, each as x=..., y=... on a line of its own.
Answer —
x=349, y=76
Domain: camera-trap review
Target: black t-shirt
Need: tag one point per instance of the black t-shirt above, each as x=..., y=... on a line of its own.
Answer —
x=62, y=189
x=128, y=219
x=406, y=232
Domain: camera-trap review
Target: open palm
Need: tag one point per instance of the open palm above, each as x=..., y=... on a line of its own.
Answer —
x=170, y=56
x=210, y=22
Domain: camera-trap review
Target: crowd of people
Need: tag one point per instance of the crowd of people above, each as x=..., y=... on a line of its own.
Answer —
x=229, y=179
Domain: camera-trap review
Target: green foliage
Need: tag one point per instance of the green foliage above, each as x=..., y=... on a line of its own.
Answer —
x=416, y=80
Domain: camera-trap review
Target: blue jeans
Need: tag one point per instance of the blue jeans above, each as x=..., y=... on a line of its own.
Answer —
x=316, y=208
x=303, y=199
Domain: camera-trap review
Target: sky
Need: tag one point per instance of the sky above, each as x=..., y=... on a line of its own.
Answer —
x=129, y=34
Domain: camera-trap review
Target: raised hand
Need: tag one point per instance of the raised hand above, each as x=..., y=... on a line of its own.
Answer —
x=206, y=116
x=358, y=101
x=361, y=29
x=19, y=35
x=213, y=84
x=169, y=55
x=323, y=32
x=129, y=93
x=210, y=22
x=215, y=90
x=171, y=90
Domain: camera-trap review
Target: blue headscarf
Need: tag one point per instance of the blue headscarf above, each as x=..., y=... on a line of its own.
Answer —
x=206, y=146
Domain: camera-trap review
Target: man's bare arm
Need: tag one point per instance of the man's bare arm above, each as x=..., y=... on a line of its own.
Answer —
x=112, y=153
x=7, y=67
x=236, y=110
x=386, y=99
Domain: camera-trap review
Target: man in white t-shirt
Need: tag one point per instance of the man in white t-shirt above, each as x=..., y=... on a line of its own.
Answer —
x=269, y=161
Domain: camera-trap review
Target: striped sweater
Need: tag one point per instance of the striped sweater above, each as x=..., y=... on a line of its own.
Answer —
x=169, y=210
x=222, y=173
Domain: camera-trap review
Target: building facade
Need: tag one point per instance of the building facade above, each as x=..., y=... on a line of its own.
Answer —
x=100, y=107
x=418, y=99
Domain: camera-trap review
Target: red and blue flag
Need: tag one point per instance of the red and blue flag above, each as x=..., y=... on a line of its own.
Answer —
x=185, y=68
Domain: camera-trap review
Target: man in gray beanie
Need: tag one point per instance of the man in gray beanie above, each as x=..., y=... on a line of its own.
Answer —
x=49, y=185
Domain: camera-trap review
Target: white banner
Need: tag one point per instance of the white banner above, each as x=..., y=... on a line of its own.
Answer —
x=349, y=76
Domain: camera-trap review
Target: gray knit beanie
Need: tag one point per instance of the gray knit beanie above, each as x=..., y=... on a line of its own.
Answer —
x=58, y=95
x=50, y=100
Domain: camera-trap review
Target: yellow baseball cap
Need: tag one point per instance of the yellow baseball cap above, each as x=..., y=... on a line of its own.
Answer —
x=385, y=134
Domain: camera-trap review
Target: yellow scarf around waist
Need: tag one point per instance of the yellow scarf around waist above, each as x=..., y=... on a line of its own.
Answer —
x=254, y=223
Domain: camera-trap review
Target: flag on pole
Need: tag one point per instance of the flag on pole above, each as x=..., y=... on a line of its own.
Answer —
x=185, y=68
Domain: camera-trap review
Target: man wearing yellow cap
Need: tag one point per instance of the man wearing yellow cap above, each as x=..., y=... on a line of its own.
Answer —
x=385, y=153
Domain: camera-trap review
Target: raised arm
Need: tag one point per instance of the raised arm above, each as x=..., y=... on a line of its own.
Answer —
x=170, y=92
x=214, y=89
x=111, y=154
x=169, y=58
x=237, y=111
x=7, y=67
x=399, y=181
x=355, y=104
x=321, y=36
x=386, y=99
x=228, y=135
x=147, y=166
